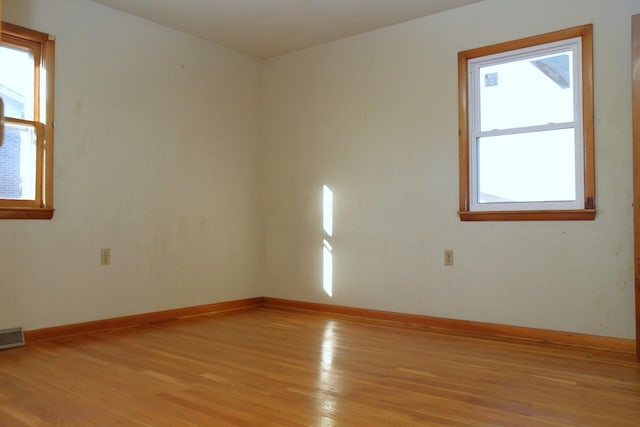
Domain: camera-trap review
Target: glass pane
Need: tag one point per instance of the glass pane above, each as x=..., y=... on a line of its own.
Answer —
x=527, y=92
x=17, y=77
x=529, y=167
x=18, y=163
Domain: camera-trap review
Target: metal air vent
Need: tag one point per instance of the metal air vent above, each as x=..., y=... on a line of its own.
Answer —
x=11, y=338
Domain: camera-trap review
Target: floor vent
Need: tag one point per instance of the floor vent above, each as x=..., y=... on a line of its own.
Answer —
x=11, y=338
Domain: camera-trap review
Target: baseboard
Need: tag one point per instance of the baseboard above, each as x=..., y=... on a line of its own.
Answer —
x=440, y=324
x=437, y=324
x=137, y=319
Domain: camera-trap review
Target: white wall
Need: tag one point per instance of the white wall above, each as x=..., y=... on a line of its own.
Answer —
x=374, y=117
x=156, y=157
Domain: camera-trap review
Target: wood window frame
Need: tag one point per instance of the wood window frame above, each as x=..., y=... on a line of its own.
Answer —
x=635, y=119
x=43, y=47
x=585, y=32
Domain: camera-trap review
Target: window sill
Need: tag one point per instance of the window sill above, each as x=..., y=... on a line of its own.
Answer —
x=568, y=215
x=26, y=213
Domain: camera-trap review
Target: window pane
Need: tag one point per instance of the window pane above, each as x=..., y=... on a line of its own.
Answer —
x=529, y=167
x=528, y=92
x=17, y=82
x=18, y=163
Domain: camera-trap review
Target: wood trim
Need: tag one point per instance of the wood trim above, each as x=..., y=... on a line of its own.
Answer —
x=635, y=64
x=48, y=61
x=434, y=324
x=25, y=213
x=42, y=46
x=21, y=32
x=137, y=319
x=566, y=215
x=490, y=330
x=526, y=42
x=588, y=118
x=463, y=133
x=588, y=213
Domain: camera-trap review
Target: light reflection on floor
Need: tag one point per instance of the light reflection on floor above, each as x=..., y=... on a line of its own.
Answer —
x=327, y=380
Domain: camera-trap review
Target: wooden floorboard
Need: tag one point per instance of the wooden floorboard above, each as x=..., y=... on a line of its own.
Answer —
x=270, y=367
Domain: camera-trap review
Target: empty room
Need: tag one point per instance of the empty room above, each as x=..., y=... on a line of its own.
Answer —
x=320, y=213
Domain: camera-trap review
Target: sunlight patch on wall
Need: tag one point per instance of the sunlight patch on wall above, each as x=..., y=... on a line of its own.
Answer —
x=327, y=250
x=327, y=210
x=327, y=270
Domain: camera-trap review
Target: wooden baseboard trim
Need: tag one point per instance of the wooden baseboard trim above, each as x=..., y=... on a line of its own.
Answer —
x=137, y=319
x=435, y=324
x=490, y=330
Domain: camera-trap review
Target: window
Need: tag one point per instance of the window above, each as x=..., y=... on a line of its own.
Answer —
x=526, y=129
x=26, y=153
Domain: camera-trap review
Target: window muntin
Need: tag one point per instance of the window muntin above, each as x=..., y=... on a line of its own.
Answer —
x=526, y=129
x=26, y=154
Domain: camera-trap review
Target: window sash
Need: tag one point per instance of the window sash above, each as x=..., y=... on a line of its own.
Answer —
x=38, y=85
x=39, y=129
x=577, y=203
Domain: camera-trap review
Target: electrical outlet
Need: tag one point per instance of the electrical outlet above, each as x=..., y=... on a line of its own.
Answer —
x=448, y=257
x=105, y=256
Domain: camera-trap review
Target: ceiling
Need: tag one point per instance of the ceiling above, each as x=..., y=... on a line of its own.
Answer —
x=267, y=28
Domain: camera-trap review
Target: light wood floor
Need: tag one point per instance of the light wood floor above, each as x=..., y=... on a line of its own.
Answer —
x=265, y=367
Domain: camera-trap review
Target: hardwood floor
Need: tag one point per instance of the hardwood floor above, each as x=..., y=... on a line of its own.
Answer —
x=266, y=367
